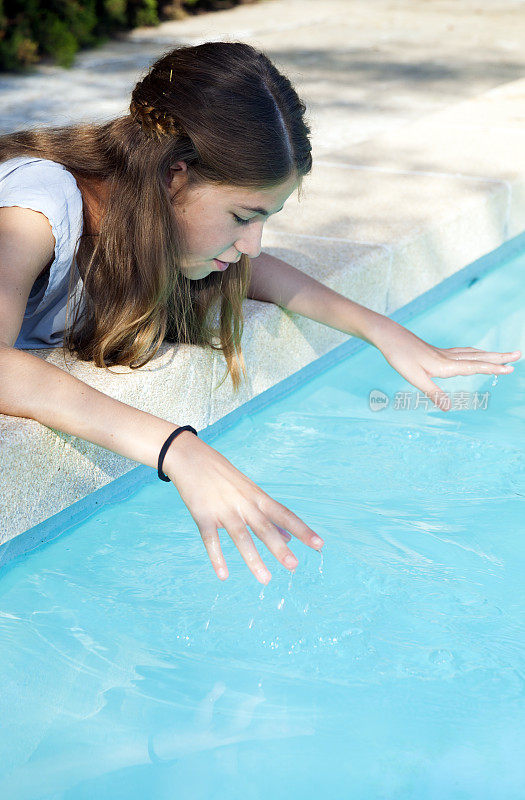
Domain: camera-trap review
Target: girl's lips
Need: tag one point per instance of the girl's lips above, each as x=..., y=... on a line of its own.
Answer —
x=222, y=265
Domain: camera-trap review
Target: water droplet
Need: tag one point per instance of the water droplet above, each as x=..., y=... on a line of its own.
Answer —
x=494, y=382
x=211, y=609
x=441, y=657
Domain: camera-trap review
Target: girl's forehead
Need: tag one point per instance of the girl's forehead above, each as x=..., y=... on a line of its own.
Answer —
x=266, y=199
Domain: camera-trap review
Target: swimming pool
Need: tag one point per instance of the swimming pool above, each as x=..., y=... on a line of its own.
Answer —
x=392, y=666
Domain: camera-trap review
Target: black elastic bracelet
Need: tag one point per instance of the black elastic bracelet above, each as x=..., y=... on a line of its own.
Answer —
x=164, y=448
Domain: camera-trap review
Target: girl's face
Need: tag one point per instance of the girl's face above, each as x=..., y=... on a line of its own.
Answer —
x=222, y=222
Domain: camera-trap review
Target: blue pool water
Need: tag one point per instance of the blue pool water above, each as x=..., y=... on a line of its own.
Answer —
x=391, y=667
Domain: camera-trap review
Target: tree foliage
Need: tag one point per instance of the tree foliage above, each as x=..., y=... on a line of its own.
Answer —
x=36, y=30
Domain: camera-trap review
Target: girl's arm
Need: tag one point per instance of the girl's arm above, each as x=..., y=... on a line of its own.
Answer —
x=36, y=389
x=214, y=491
x=275, y=281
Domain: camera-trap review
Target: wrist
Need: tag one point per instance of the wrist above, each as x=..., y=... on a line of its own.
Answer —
x=376, y=328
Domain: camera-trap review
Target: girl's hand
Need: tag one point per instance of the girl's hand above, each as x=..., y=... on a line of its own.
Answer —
x=419, y=362
x=217, y=495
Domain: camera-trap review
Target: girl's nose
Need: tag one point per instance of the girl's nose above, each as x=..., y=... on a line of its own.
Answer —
x=250, y=242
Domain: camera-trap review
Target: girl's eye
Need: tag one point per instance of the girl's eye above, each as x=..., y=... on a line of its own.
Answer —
x=240, y=220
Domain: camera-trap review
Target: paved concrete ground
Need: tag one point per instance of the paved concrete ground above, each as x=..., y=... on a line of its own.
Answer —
x=418, y=118
x=363, y=66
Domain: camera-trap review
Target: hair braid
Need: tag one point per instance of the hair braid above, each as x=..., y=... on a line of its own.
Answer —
x=152, y=121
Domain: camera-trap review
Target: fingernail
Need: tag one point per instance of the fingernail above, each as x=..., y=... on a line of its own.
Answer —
x=264, y=575
x=291, y=561
x=316, y=540
x=221, y=573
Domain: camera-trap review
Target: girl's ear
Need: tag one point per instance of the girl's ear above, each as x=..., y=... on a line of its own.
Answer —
x=177, y=177
x=179, y=166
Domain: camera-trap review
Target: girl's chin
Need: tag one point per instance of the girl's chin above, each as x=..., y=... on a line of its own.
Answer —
x=198, y=274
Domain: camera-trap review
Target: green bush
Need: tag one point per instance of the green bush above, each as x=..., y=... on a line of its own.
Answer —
x=145, y=13
x=30, y=29
x=58, y=29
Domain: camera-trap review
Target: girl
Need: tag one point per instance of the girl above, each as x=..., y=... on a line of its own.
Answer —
x=115, y=237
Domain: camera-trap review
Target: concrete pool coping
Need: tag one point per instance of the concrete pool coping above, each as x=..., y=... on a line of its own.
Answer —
x=386, y=217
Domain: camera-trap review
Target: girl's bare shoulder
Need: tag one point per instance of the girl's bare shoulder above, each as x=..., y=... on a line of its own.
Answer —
x=27, y=248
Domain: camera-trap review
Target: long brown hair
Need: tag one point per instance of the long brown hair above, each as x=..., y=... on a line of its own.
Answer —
x=224, y=109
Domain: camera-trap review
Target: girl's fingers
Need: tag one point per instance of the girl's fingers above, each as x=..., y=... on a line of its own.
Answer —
x=496, y=358
x=433, y=392
x=472, y=353
x=464, y=367
x=271, y=535
x=286, y=536
x=210, y=537
x=211, y=540
x=459, y=367
x=457, y=349
x=283, y=517
x=244, y=543
x=461, y=350
x=274, y=536
x=450, y=367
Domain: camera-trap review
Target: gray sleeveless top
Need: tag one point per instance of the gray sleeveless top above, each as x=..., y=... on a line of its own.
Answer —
x=46, y=186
